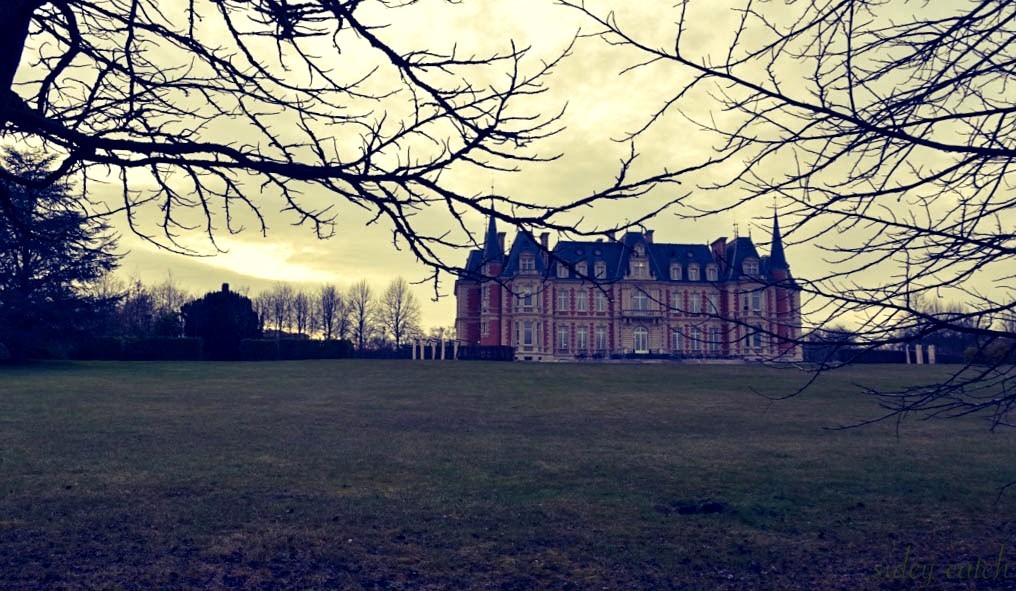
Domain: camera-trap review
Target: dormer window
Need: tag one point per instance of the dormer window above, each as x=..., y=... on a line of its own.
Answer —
x=712, y=273
x=581, y=270
x=601, y=270
x=638, y=268
x=562, y=271
x=751, y=267
x=640, y=251
x=675, y=272
x=527, y=263
x=693, y=272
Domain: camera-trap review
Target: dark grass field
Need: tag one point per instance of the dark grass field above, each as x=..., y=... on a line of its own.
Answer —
x=454, y=475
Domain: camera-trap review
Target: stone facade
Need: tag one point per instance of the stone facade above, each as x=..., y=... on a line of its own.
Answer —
x=633, y=297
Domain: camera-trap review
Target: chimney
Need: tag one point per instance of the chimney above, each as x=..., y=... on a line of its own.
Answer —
x=545, y=240
x=719, y=248
x=225, y=288
x=649, y=236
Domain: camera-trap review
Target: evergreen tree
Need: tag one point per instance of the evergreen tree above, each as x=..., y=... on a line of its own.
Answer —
x=51, y=250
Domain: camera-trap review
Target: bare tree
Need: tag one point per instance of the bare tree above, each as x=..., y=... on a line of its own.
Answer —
x=399, y=312
x=188, y=109
x=279, y=302
x=362, y=313
x=884, y=131
x=330, y=309
x=302, y=310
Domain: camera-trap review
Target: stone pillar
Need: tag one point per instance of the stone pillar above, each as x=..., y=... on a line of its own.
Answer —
x=433, y=350
x=442, y=348
x=412, y=343
x=931, y=354
x=919, y=354
x=906, y=352
x=455, y=350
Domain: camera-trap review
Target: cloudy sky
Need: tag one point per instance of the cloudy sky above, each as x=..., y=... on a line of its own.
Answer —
x=601, y=105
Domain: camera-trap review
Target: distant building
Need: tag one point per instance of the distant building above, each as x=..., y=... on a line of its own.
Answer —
x=631, y=297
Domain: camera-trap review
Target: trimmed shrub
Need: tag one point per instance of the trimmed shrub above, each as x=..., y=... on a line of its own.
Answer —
x=162, y=349
x=99, y=348
x=259, y=349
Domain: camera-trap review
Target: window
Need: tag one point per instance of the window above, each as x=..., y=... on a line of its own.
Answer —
x=562, y=271
x=693, y=272
x=601, y=338
x=675, y=272
x=484, y=329
x=641, y=340
x=563, y=300
x=640, y=301
x=712, y=274
x=751, y=267
x=695, y=303
x=581, y=300
x=677, y=302
x=524, y=299
x=675, y=340
x=527, y=263
x=581, y=339
x=756, y=338
x=638, y=268
x=581, y=269
x=601, y=301
x=712, y=303
x=714, y=340
x=756, y=301
x=744, y=303
x=696, y=339
x=601, y=270
x=527, y=333
x=562, y=338
x=485, y=299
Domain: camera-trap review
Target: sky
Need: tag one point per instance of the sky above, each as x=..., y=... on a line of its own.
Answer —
x=601, y=105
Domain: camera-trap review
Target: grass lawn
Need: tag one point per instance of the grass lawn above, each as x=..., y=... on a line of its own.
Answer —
x=458, y=475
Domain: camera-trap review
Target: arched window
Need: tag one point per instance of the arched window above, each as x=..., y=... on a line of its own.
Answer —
x=581, y=270
x=641, y=341
x=693, y=272
x=712, y=274
x=675, y=272
x=562, y=271
x=751, y=267
x=601, y=270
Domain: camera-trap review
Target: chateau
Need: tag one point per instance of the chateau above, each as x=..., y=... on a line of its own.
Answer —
x=633, y=297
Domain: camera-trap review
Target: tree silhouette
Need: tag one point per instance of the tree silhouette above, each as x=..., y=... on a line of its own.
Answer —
x=885, y=131
x=222, y=319
x=399, y=312
x=50, y=252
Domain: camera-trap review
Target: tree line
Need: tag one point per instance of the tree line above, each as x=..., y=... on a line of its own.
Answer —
x=370, y=319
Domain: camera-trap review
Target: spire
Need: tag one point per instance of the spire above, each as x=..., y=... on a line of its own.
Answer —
x=492, y=244
x=777, y=259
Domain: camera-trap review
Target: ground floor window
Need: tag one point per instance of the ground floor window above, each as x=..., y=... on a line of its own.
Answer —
x=562, y=338
x=675, y=340
x=581, y=339
x=641, y=343
x=715, y=339
x=601, y=338
x=696, y=339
